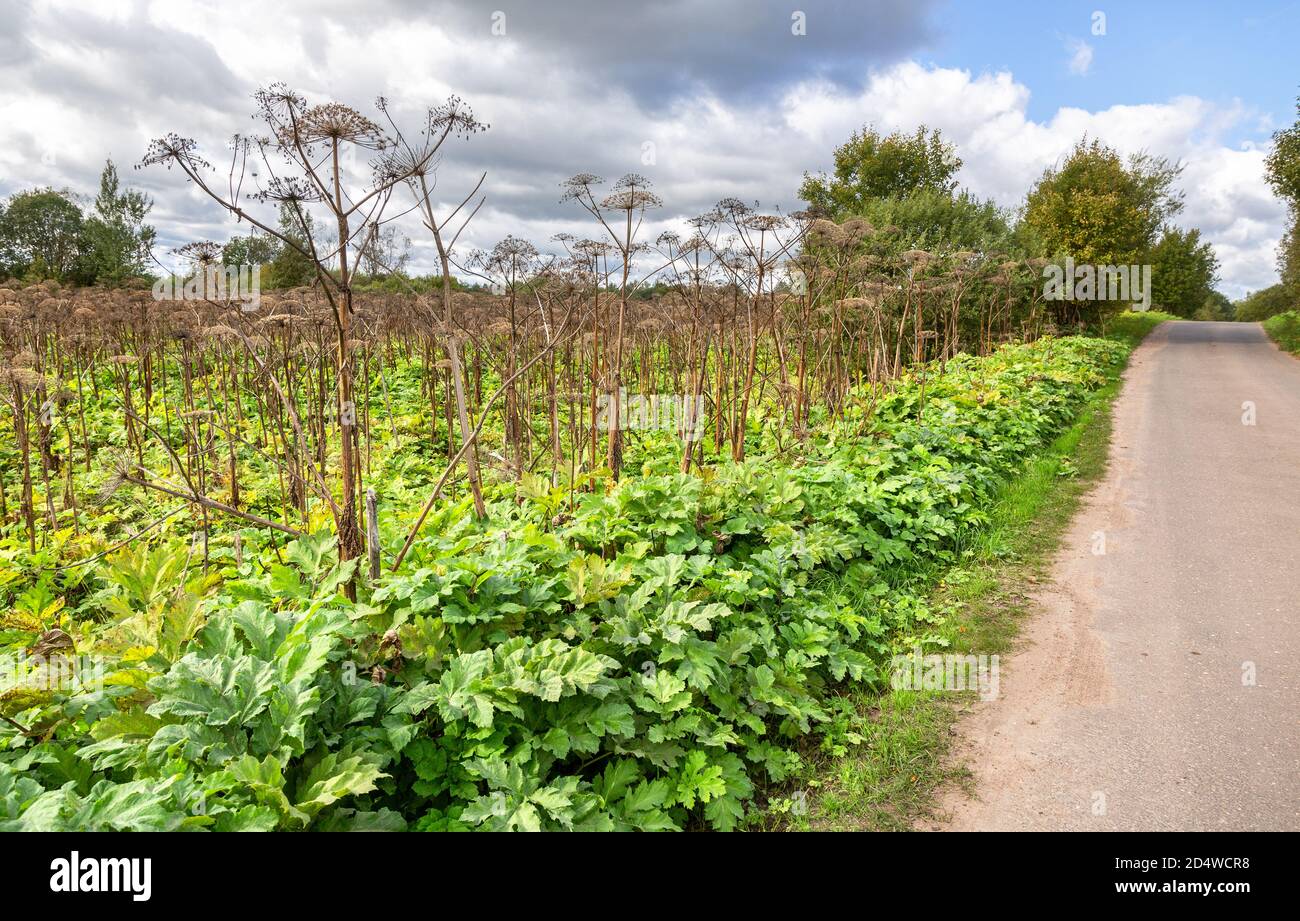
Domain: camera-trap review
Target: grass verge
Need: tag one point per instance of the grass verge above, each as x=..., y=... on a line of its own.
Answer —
x=890, y=778
x=1285, y=330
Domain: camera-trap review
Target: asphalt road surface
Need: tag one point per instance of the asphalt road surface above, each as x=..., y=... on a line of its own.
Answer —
x=1159, y=686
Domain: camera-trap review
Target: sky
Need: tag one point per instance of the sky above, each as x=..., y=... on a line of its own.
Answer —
x=728, y=98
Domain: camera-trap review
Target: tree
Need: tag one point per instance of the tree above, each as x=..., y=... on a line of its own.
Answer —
x=42, y=235
x=1183, y=272
x=292, y=265
x=1101, y=210
x=10, y=258
x=871, y=166
x=384, y=251
x=1282, y=170
x=250, y=249
x=1282, y=165
x=119, y=240
x=1216, y=307
x=1265, y=303
x=1288, y=257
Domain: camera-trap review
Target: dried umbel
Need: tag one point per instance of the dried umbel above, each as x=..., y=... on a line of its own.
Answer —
x=858, y=304
x=731, y=209
x=765, y=223
x=857, y=228
x=336, y=123
x=631, y=200
x=172, y=150
x=579, y=186
x=297, y=126
x=592, y=250
x=24, y=378
x=185, y=316
x=452, y=117
x=513, y=249
x=202, y=253
x=631, y=193
x=122, y=466
x=824, y=232
x=290, y=190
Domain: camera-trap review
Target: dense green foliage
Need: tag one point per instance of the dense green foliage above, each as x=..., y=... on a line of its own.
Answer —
x=252, y=248
x=1184, y=271
x=289, y=267
x=1282, y=170
x=1101, y=209
x=45, y=235
x=651, y=658
x=1285, y=330
x=119, y=241
x=42, y=234
x=1216, y=307
x=934, y=219
x=869, y=166
x=1282, y=166
x=1265, y=303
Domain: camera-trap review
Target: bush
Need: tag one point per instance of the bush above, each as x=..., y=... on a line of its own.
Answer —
x=1285, y=330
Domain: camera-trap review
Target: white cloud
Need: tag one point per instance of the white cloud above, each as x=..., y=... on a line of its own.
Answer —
x=1080, y=56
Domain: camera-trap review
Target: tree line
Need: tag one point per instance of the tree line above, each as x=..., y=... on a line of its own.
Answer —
x=47, y=234
x=1096, y=207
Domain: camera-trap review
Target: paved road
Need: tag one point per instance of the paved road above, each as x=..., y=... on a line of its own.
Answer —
x=1159, y=687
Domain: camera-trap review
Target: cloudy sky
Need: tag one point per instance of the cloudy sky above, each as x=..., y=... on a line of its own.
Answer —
x=724, y=98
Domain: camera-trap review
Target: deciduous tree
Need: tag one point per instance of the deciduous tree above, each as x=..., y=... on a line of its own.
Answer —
x=870, y=166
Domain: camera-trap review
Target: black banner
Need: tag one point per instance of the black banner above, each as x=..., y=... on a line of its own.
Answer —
x=340, y=872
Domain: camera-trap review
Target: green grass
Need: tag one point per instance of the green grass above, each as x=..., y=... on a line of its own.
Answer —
x=891, y=778
x=1285, y=330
